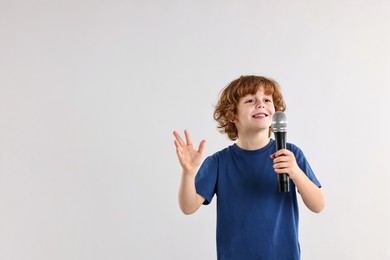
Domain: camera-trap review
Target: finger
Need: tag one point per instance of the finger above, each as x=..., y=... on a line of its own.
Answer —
x=177, y=144
x=178, y=138
x=282, y=152
x=281, y=158
x=201, y=146
x=179, y=152
x=188, y=137
x=280, y=165
x=281, y=171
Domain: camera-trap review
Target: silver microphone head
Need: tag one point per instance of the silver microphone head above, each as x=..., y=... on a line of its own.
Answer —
x=279, y=122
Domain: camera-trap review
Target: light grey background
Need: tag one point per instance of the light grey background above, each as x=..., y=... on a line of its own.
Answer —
x=90, y=92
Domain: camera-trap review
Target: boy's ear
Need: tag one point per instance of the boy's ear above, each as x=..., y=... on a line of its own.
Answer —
x=232, y=119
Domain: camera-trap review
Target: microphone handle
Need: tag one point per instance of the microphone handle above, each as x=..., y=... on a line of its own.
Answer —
x=283, y=179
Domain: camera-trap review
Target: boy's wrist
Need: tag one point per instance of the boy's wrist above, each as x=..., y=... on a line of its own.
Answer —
x=189, y=173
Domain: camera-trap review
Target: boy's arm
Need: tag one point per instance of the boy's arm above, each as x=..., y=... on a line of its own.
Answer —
x=190, y=159
x=189, y=200
x=311, y=194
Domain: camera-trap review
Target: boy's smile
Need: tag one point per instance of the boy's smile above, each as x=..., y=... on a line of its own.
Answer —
x=260, y=115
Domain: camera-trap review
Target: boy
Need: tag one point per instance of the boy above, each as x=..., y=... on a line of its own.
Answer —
x=254, y=220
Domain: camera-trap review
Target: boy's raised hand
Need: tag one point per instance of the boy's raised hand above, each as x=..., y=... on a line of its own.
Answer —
x=189, y=158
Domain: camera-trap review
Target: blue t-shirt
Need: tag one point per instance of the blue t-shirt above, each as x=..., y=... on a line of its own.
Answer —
x=254, y=219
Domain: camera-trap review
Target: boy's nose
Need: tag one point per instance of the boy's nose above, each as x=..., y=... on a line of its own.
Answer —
x=260, y=104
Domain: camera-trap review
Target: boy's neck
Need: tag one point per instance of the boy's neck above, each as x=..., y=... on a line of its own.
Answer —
x=254, y=142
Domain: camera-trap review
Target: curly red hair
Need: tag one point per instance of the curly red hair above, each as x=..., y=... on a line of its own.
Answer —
x=226, y=108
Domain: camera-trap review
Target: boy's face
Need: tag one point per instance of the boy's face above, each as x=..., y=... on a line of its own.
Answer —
x=254, y=113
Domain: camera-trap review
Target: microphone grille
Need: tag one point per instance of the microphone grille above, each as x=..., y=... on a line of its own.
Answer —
x=279, y=122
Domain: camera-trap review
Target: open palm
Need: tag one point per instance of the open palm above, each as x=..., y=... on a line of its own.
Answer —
x=189, y=158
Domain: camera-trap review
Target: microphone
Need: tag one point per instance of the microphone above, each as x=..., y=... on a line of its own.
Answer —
x=279, y=127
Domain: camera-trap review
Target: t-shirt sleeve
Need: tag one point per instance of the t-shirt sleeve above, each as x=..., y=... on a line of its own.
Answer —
x=304, y=164
x=206, y=179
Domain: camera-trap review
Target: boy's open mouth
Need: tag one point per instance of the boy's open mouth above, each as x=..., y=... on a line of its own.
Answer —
x=259, y=115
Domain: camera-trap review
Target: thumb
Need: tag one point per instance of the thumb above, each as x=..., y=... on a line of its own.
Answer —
x=201, y=146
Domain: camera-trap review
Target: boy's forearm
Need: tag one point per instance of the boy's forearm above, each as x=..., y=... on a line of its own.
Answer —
x=188, y=198
x=311, y=194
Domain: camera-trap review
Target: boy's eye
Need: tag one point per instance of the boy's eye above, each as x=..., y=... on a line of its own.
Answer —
x=250, y=101
x=268, y=100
